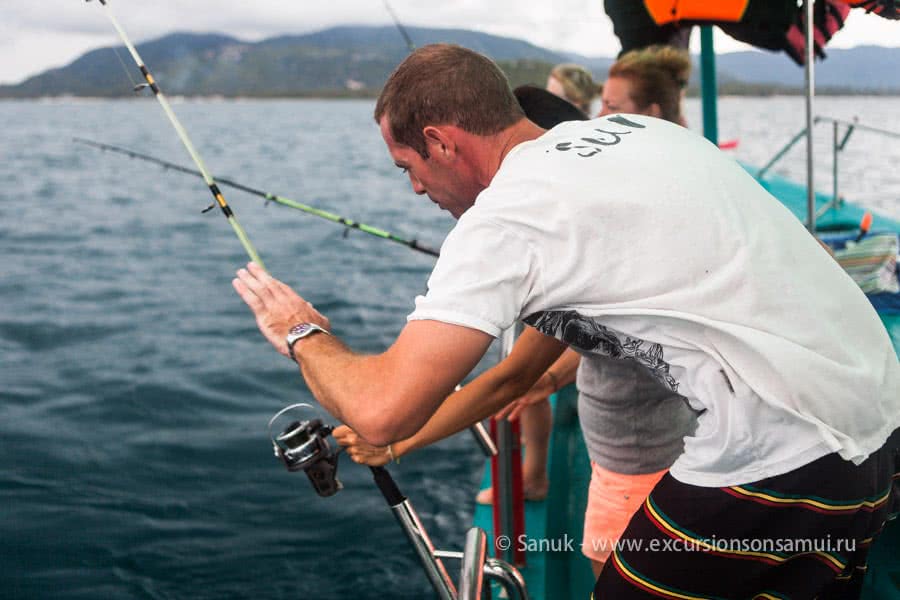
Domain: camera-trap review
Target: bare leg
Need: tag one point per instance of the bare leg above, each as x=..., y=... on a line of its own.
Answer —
x=537, y=422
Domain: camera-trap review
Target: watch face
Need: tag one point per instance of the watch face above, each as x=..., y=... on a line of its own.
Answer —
x=298, y=332
x=300, y=329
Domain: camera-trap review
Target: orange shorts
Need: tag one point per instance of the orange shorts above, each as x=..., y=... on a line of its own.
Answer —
x=612, y=500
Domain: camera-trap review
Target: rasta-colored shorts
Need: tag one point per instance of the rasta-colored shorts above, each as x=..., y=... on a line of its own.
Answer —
x=801, y=535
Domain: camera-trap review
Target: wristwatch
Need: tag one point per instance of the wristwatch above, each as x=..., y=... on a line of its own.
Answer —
x=300, y=331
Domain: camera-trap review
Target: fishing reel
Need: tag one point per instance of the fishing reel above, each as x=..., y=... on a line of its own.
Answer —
x=303, y=446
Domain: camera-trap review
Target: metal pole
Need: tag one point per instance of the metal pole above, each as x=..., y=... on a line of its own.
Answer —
x=508, y=576
x=780, y=154
x=709, y=89
x=503, y=488
x=421, y=543
x=834, y=165
x=474, y=557
x=855, y=125
x=810, y=92
x=471, y=578
x=434, y=567
x=483, y=438
x=504, y=521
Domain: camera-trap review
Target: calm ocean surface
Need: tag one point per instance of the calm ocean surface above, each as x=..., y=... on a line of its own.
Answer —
x=135, y=388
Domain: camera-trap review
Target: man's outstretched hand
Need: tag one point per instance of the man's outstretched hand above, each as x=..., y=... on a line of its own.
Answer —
x=276, y=306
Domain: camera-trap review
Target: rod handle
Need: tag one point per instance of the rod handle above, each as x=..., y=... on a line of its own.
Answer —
x=387, y=485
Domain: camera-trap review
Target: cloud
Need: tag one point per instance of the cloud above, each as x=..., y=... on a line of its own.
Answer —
x=39, y=38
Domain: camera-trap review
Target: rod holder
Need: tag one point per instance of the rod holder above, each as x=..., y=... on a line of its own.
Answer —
x=471, y=577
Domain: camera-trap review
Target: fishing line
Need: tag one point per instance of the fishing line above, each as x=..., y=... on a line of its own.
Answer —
x=135, y=86
x=185, y=140
x=348, y=223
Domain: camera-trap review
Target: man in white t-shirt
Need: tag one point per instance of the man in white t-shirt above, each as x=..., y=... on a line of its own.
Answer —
x=633, y=238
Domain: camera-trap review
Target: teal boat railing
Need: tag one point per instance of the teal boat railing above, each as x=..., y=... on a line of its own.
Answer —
x=839, y=140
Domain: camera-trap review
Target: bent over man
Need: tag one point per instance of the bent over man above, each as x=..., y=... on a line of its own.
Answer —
x=631, y=237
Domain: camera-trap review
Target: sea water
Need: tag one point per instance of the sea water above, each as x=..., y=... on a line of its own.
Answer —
x=135, y=388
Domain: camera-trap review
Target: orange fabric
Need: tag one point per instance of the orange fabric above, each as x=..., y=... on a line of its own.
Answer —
x=669, y=11
x=612, y=500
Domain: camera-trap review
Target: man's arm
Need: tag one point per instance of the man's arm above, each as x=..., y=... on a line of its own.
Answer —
x=388, y=397
x=384, y=397
x=492, y=390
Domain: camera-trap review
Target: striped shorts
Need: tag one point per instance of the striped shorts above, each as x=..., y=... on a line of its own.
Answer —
x=801, y=535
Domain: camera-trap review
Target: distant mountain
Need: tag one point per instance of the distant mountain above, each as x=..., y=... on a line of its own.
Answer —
x=357, y=60
x=99, y=72
x=334, y=61
x=870, y=68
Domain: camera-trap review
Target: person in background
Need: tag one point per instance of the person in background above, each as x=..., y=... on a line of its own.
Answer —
x=650, y=81
x=575, y=84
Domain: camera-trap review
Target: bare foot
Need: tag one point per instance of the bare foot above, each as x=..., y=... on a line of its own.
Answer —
x=533, y=493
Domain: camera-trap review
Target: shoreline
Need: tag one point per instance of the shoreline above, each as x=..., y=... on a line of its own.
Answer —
x=725, y=93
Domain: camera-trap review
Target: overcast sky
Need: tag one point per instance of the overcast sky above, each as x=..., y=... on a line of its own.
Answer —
x=38, y=35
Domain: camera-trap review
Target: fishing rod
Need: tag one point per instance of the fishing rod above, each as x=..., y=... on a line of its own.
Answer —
x=400, y=27
x=210, y=182
x=348, y=223
x=185, y=140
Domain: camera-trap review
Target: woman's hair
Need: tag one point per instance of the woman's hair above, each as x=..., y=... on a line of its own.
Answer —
x=577, y=83
x=444, y=84
x=658, y=75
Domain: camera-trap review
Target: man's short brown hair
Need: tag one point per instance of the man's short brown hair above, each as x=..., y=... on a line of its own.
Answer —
x=444, y=84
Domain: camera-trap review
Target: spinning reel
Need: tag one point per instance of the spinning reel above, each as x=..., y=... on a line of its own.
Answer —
x=303, y=446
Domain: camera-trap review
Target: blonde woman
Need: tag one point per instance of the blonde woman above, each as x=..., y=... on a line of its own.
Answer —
x=575, y=84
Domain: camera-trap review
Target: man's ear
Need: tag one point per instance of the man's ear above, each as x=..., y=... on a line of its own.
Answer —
x=655, y=111
x=438, y=141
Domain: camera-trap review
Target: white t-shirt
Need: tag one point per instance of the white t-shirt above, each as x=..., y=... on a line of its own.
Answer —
x=632, y=237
